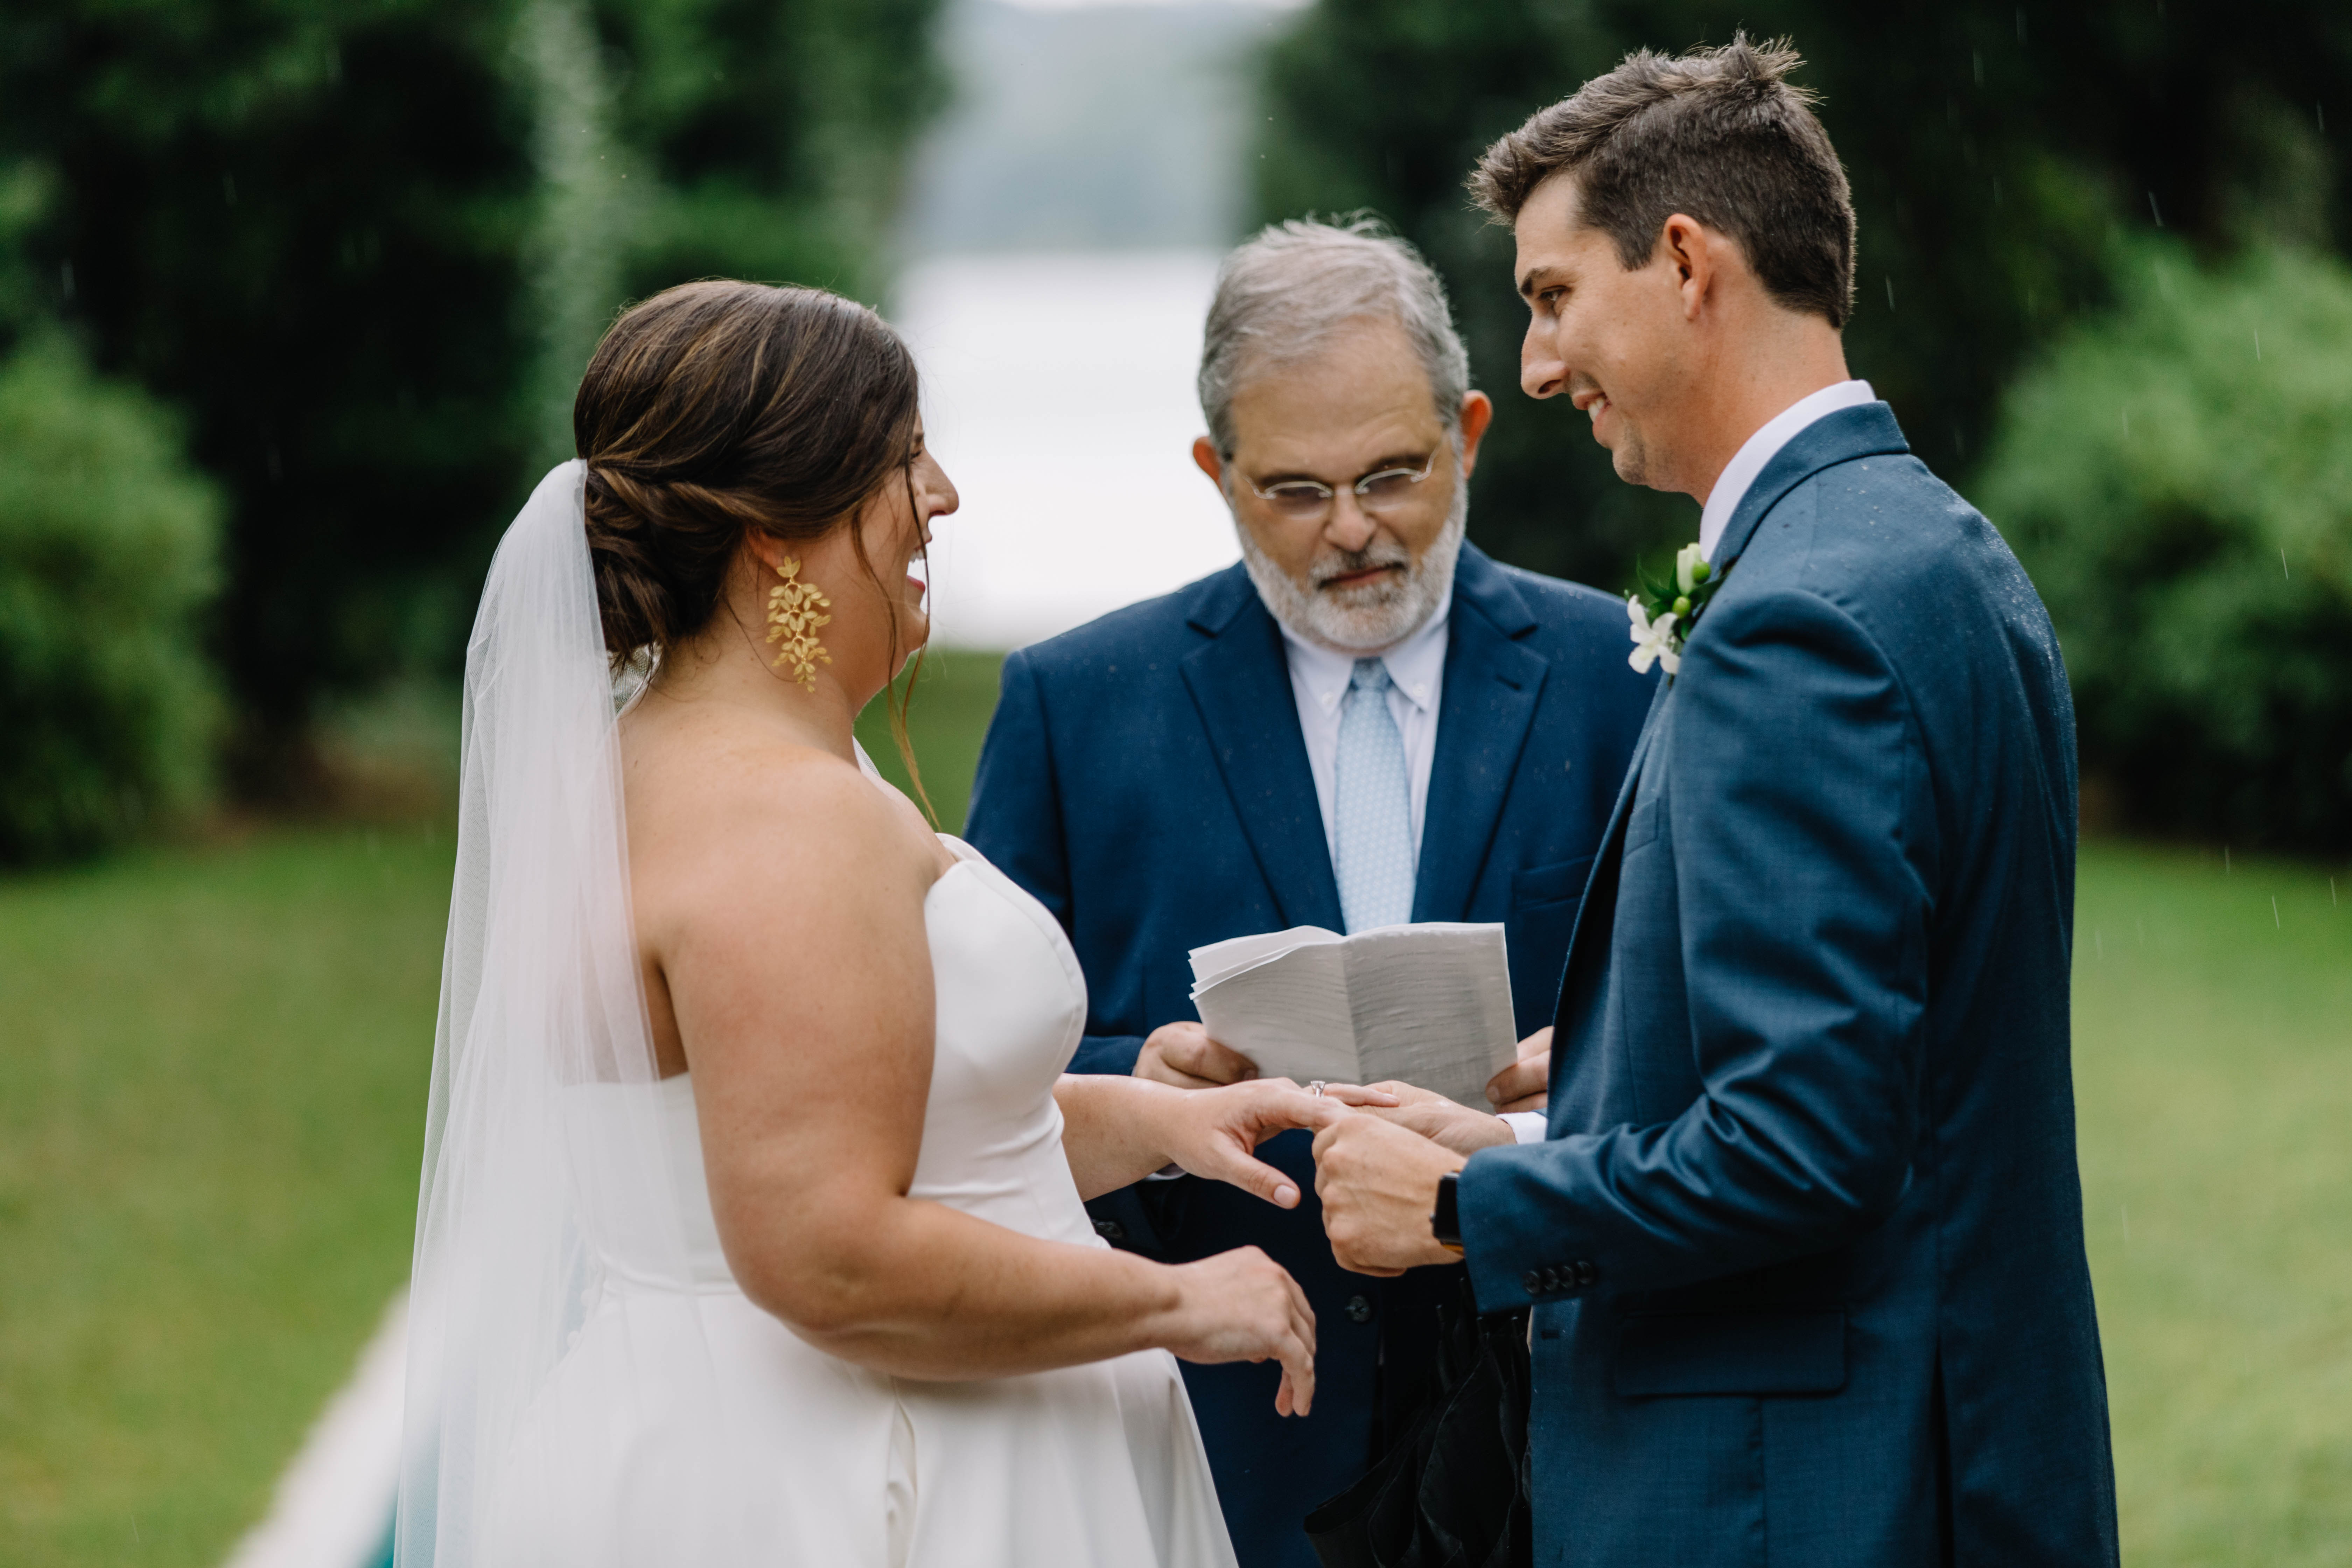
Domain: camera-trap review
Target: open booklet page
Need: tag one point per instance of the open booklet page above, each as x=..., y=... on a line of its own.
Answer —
x=1426, y=1005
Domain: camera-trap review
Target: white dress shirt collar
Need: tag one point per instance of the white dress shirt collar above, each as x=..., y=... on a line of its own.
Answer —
x=1416, y=664
x=1762, y=448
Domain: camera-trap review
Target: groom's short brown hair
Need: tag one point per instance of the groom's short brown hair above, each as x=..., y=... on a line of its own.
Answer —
x=1718, y=134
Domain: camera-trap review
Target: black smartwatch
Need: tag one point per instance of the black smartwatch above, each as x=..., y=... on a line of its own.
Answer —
x=1445, y=1219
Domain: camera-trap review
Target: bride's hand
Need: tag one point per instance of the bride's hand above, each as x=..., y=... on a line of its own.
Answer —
x=1214, y=1132
x=1244, y=1306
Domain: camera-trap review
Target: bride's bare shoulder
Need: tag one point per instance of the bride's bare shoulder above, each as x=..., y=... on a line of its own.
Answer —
x=721, y=821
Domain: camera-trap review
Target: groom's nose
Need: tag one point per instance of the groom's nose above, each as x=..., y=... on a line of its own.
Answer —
x=1542, y=372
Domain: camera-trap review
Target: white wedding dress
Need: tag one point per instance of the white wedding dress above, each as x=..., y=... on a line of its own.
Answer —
x=1093, y=1464
x=587, y=1385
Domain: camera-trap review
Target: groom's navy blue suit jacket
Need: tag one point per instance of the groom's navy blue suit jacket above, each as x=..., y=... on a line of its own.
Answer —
x=1805, y=1247
x=1145, y=777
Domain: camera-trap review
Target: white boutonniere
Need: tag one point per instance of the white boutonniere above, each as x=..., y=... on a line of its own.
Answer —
x=1664, y=609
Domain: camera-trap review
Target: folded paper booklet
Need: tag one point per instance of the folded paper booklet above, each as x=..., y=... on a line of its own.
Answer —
x=1426, y=1005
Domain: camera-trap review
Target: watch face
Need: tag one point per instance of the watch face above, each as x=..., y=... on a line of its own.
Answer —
x=1444, y=1221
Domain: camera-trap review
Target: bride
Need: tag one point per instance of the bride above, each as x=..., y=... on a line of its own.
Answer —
x=750, y=1228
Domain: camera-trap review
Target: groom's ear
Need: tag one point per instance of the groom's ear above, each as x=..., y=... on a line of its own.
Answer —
x=1205, y=457
x=1694, y=253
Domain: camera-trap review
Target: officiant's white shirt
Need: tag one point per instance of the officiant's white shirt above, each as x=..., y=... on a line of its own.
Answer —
x=1318, y=684
x=1760, y=448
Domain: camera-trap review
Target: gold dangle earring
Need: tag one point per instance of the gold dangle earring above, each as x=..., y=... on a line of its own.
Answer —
x=793, y=620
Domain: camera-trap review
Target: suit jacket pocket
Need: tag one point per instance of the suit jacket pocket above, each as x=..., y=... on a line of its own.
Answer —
x=1563, y=881
x=1725, y=1352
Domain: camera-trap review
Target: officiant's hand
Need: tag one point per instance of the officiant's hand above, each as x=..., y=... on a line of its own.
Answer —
x=1434, y=1117
x=1182, y=1054
x=1378, y=1183
x=1525, y=1084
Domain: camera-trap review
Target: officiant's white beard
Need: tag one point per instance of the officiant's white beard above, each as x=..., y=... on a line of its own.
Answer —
x=1373, y=618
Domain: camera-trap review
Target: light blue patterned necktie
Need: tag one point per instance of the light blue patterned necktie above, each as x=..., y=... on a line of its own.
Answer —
x=1373, y=806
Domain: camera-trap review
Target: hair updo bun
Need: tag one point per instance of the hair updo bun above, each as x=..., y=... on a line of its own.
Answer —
x=716, y=408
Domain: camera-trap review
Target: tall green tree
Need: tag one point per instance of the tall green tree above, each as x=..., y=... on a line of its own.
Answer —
x=1995, y=151
x=300, y=222
x=356, y=245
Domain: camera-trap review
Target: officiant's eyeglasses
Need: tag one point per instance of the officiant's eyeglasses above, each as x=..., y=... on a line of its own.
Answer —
x=1385, y=491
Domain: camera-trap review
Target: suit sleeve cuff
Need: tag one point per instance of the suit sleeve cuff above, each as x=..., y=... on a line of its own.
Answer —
x=1518, y=1255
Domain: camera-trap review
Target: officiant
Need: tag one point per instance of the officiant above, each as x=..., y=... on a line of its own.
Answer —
x=1365, y=722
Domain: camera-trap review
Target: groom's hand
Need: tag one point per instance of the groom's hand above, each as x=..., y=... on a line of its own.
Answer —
x=1378, y=1183
x=1182, y=1054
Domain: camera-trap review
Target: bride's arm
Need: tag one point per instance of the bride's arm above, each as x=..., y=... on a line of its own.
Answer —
x=785, y=915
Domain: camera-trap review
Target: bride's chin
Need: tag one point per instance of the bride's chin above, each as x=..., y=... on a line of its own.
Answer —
x=914, y=633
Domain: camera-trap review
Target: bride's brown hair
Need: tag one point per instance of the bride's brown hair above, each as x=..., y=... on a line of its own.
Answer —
x=716, y=408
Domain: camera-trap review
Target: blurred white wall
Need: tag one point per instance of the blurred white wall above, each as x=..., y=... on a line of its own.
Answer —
x=1060, y=240
x=1058, y=397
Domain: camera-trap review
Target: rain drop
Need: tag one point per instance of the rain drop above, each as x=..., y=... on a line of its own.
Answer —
x=2156, y=211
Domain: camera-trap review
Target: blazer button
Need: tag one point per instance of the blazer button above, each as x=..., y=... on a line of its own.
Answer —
x=1358, y=1309
x=1552, y=1281
x=1585, y=1273
x=1110, y=1230
x=1532, y=1282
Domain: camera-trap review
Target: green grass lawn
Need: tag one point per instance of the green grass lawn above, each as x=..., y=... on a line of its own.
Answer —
x=215, y=1063
x=211, y=1100
x=2213, y=1074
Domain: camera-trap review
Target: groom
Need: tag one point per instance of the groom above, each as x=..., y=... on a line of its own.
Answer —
x=1366, y=721
x=1804, y=1245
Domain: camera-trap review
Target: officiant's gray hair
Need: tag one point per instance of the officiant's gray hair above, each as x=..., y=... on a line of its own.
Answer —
x=1283, y=293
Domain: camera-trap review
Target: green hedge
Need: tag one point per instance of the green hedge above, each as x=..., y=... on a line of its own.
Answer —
x=2176, y=476
x=109, y=548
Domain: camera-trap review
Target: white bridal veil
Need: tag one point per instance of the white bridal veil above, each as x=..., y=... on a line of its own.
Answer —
x=544, y=1132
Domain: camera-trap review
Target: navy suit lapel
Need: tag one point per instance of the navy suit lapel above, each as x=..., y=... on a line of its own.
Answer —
x=1240, y=683
x=1865, y=431
x=1492, y=686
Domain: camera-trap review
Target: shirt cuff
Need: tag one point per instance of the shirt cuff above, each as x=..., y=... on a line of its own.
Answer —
x=1527, y=1126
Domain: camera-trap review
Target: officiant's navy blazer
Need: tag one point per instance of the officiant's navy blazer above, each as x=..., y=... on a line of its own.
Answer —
x=1145, y=777
x=1805, y=1247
